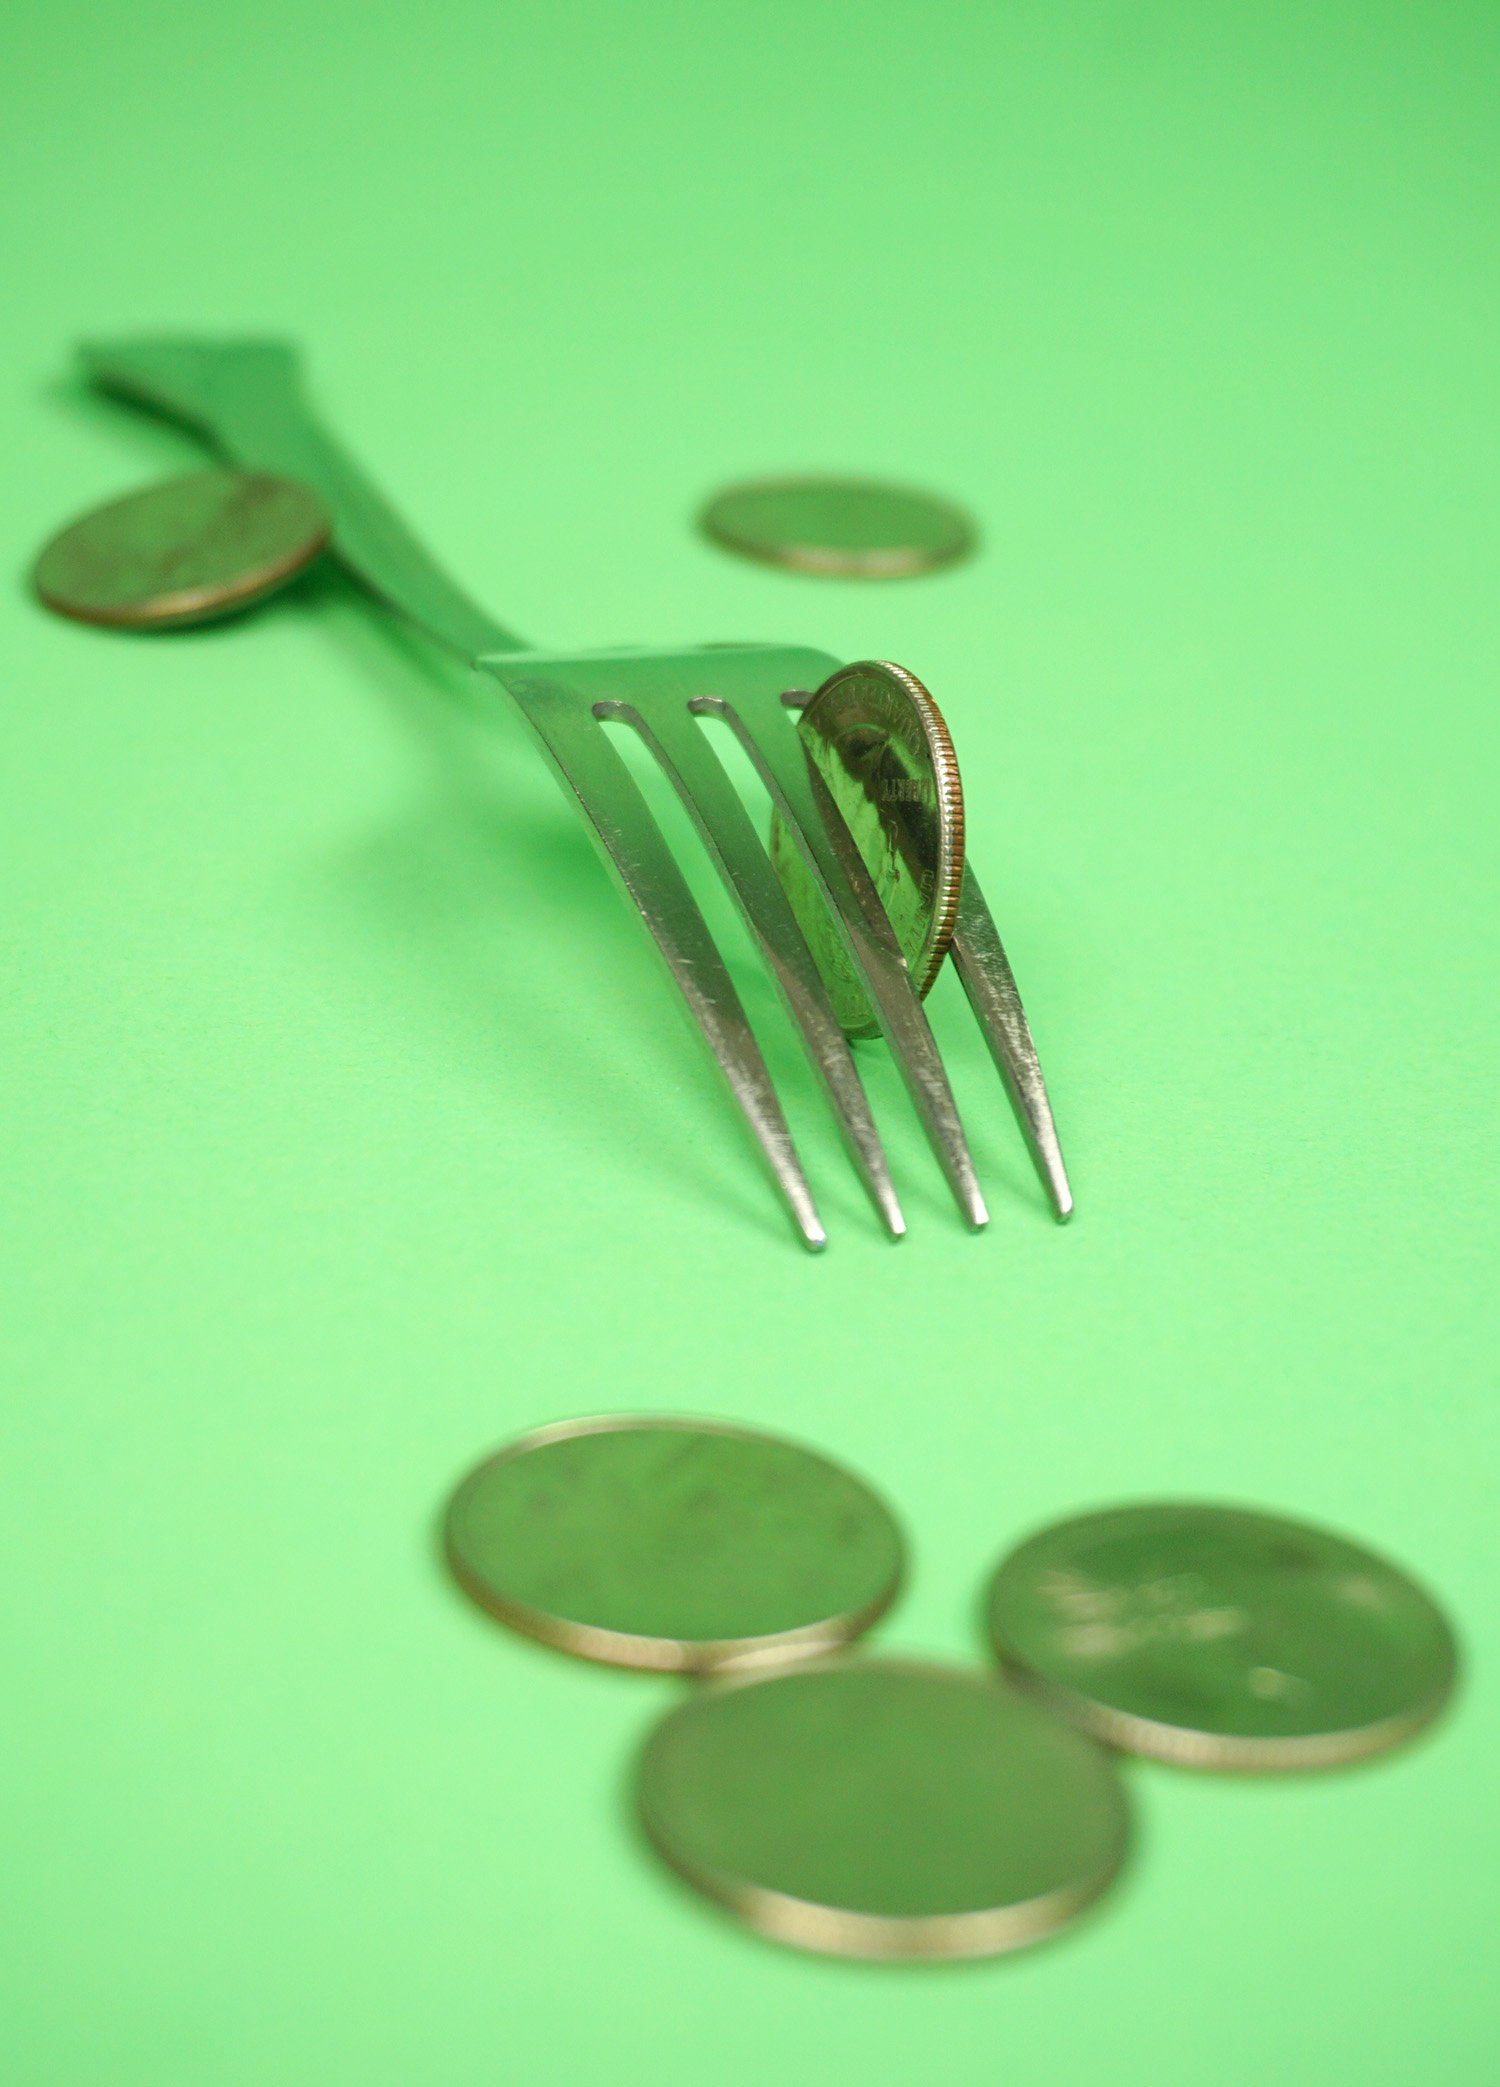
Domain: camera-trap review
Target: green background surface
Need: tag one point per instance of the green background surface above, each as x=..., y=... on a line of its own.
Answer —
x=348, y=1128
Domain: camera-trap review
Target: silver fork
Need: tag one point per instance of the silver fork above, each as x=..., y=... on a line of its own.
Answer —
x=245, y=398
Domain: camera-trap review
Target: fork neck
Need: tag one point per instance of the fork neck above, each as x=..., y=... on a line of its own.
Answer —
x=246, y=399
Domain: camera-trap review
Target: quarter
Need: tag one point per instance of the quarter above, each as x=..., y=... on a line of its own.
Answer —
x=183, y=552
x=883, y=1808
x=839, y=528
x=880, y=744
x=676, y=1545
x=1219, y=1637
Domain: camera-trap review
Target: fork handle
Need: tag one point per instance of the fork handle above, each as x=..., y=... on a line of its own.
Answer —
x=245, y=397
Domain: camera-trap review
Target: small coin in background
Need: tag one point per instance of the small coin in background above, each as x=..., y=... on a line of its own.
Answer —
x=183, y=552
x=1217, y=1637
x=883, y=1808
x=839, y=528
x=880, y=744
x=675, y=1545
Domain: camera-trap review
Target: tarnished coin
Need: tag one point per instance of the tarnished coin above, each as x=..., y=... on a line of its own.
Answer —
x=880, y=744
x=183, y=552
x=883, y=1808
x=839, y=528
x=673, y=1544
x=1221, y=1638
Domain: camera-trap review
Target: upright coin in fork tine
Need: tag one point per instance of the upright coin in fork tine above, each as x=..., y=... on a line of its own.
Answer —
x=245, y=398
x=663, y=695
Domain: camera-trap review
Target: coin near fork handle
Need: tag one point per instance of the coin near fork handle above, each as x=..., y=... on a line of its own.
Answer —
x=1218, y=1637
x=883, y=1808
x=183, y=552
x=674, y=1545
x=880, y=744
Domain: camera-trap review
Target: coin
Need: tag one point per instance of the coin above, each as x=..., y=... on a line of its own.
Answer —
x=880, y=744
x=1217, y=1637
x=883, y=1808
x=183, y=552
x=673, y=1544
x=839, y=528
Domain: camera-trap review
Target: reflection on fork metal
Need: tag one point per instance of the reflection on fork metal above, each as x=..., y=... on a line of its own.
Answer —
x=245, y=398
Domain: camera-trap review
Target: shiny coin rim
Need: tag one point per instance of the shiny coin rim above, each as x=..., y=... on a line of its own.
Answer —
x=1184, y=1746
x=206, y=601
x=640, y=1651
x=827, y=1930
x=833, y=561
x=927, y=962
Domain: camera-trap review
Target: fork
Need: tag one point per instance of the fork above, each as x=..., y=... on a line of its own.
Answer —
x=245, y=399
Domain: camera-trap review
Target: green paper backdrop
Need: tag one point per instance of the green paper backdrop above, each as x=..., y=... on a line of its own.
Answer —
x=349, y=1130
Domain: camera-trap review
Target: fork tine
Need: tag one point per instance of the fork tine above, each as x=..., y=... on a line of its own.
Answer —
x=632, y=846
x=980, y=960
x=679, y=743
x=803, y=800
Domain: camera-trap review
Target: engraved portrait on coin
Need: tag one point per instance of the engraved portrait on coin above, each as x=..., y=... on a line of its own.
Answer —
x=879, y=742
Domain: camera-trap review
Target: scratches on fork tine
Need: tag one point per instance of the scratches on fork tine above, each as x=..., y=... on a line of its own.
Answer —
x=980, y=959
x=802, y=798
x=633, y=848
x=677, y=739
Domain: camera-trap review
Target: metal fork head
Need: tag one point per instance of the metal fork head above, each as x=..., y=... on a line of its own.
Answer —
x=245, y=396
x=663, y=695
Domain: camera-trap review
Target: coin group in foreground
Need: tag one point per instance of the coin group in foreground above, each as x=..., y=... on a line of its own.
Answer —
x=839, y=528
x=183, y=552
x=879, y=742
x=1217, y=1637
x=883, y=1808
x=900, y=1809
x=674, y=1545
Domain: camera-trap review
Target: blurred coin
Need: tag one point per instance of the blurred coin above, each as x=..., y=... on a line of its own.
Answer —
x=1220, y=1638
x=673, y=1544
x=883, y=1808
x=839, y=528
x=880, y=744
x=182, y=552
